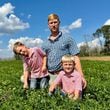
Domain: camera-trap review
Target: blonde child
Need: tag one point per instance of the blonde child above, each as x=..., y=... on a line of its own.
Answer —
x=69, y=79
x=34, y=66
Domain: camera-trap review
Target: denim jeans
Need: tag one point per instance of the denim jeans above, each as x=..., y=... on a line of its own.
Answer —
x=39, y=82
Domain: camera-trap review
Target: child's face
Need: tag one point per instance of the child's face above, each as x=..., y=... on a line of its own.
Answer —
x=68, y=66
x=22, y=50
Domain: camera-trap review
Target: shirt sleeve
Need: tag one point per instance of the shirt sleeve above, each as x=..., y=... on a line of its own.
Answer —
x=41, y=52
x=58, y=79
x=44, y=46
x=78, y=81
x=73, y=49
x=25, y=66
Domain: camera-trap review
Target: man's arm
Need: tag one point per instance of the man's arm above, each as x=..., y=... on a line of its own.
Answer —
x=79, y=69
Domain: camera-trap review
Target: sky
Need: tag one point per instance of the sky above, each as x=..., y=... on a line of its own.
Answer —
x=26, y=20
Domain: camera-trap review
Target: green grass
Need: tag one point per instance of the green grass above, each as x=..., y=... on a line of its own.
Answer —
x=13, y=97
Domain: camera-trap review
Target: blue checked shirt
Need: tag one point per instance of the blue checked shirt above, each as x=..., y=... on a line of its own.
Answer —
x=62, y=45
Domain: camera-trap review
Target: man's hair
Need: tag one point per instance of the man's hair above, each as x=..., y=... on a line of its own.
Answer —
x=67, y=58
x=16, y=44
x=53, y=16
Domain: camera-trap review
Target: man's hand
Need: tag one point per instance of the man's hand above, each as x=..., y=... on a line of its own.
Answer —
x=84, y=82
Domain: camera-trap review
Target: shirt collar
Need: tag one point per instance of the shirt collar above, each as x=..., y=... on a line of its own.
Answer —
x=31, y=52
x=69, y=75
x=57, y=37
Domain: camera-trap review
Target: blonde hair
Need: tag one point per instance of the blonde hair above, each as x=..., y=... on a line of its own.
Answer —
x=67, y=58
x=53, y=16
x=16, y=44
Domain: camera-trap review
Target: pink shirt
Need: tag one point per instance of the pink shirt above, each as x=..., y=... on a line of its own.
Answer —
x=33, y=63
x=69, y=82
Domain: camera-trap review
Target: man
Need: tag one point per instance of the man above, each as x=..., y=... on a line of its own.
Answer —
x=58, y=45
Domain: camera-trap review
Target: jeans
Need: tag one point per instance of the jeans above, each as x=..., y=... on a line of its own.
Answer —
x=39, y=82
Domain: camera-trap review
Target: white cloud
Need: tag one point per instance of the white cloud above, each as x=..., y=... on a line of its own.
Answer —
x=30, y=42
x=6, y=9
x=73, y=25
x=94, y=43
x=76, y=24
x=107, y=22
x=29, y=16
x=9, y=22
x=6, y=53
x=64, y=29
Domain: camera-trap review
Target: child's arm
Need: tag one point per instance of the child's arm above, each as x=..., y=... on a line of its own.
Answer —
x=52, y=87
x=44, y=64
x=26, y=75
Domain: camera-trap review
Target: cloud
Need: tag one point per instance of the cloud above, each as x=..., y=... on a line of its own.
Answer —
x=29, y=16
x=65, y=29
x=9, y=22
x=30, y=42
x=107, y=22
x=76, y=24
x=6, y=9
x=94, y=43
x=72, y=26
x=6, y=53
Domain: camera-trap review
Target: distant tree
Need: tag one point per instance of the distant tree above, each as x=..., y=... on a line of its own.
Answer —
x=95, y=51
x=84, y=50
x=98, y=34
x=106, y=32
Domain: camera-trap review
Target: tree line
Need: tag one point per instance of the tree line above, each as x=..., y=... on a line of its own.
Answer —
x=104, y=31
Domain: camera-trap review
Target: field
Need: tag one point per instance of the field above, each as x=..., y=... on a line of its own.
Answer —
x=95, y=97
x=101, y=58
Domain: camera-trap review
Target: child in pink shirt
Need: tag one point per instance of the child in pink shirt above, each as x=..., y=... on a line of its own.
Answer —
x=69, y=80
x=34, y=66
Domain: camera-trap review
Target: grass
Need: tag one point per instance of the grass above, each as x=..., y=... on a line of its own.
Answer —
x=13, y=97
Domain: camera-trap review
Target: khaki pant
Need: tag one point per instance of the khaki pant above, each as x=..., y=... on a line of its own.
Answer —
x=52, y=77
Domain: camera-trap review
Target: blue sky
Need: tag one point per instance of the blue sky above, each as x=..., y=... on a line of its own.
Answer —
x=26, y=20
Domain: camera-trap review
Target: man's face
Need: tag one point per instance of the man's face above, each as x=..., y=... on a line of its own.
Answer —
x=53, y=25
x=68, y=66
x=22, y=50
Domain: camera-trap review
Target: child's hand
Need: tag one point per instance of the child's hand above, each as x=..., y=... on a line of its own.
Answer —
x=50, y=93
x=44, y=69
x=71, y=96
x=25, y=86
x=51, y=88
